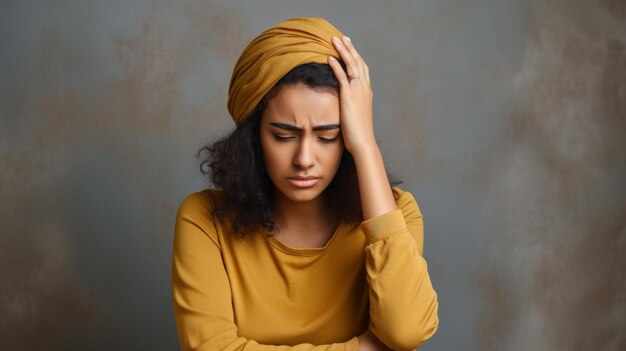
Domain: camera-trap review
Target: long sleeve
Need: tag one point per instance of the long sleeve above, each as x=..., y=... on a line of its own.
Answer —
x=201, y=291
x=403, y=303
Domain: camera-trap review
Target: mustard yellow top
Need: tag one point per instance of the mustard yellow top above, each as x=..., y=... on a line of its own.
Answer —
x=258, y=293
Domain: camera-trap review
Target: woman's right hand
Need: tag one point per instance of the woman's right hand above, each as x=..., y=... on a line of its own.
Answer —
x=369, y=342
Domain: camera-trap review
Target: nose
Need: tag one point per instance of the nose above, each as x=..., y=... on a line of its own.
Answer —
x=305, y=157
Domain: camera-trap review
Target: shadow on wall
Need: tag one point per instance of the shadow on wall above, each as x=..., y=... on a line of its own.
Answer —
x=554, y=276
x=82, y=214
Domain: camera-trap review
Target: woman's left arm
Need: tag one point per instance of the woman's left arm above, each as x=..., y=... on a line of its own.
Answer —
x=403, y=303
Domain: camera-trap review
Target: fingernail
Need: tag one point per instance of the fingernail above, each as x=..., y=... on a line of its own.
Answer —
x=347, y=38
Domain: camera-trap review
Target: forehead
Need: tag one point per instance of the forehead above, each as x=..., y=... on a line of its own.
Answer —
x=301, y=105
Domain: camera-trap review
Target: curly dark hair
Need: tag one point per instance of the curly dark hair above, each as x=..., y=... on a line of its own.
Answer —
x=236, y=167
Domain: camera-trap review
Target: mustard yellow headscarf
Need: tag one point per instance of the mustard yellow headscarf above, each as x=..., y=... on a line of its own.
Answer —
x=273, y=54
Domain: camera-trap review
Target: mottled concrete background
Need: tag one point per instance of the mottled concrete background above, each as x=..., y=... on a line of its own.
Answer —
x=506, y=119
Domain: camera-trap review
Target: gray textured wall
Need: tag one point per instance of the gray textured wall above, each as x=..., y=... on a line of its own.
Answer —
x=506, y=119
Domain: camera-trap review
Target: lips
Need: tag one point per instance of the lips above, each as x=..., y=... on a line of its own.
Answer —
x=303, y=182
x=303, y=178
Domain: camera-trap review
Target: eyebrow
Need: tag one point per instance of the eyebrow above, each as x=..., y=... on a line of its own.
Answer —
x=298, y=129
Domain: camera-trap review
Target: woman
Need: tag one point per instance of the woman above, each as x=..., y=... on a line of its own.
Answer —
x=305, y=244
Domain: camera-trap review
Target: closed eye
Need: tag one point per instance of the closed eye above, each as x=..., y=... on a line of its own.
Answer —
x=282, y=138
x=286, y=138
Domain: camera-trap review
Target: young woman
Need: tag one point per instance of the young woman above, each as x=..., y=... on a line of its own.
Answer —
x=305, y=243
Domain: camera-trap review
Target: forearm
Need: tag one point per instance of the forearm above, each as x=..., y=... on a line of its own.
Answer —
x=369, y=342
x=376, y=194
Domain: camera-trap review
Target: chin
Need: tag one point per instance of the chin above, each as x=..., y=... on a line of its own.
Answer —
x=301, y=194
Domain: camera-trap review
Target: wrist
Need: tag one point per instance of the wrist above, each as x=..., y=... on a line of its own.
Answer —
x=364, y=151
x=364, y=344
x=369, y=342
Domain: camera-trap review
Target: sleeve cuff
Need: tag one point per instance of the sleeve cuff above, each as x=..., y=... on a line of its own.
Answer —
x=385, y=225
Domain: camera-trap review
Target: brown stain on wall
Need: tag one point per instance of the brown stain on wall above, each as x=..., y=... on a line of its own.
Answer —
x=568, y=225
x=581, y=286
x=42, y=299
x=493, y=326
x=45, y=303
x=148, y=97
x=220, y=28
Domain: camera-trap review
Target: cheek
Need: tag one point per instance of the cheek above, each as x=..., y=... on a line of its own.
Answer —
x=271, y=161
x=338, y=152
x=272, y=156
x=333, y=158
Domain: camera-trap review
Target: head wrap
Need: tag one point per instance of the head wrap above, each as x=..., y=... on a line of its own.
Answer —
x=273, y=54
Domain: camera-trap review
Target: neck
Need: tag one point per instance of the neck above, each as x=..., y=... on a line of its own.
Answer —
x=300, y=216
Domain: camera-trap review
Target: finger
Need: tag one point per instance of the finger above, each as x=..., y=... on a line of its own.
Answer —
x=355, y=54
x=362, y=66
x=346, y=56
x=340, y=74
x=369, y=81
x=350, y=64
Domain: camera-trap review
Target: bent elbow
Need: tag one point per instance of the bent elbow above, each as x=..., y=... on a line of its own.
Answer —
x=409, y=340
x=405, y=335
x=425, y=333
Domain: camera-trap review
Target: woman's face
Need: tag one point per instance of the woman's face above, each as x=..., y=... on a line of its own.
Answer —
x=301, y=137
